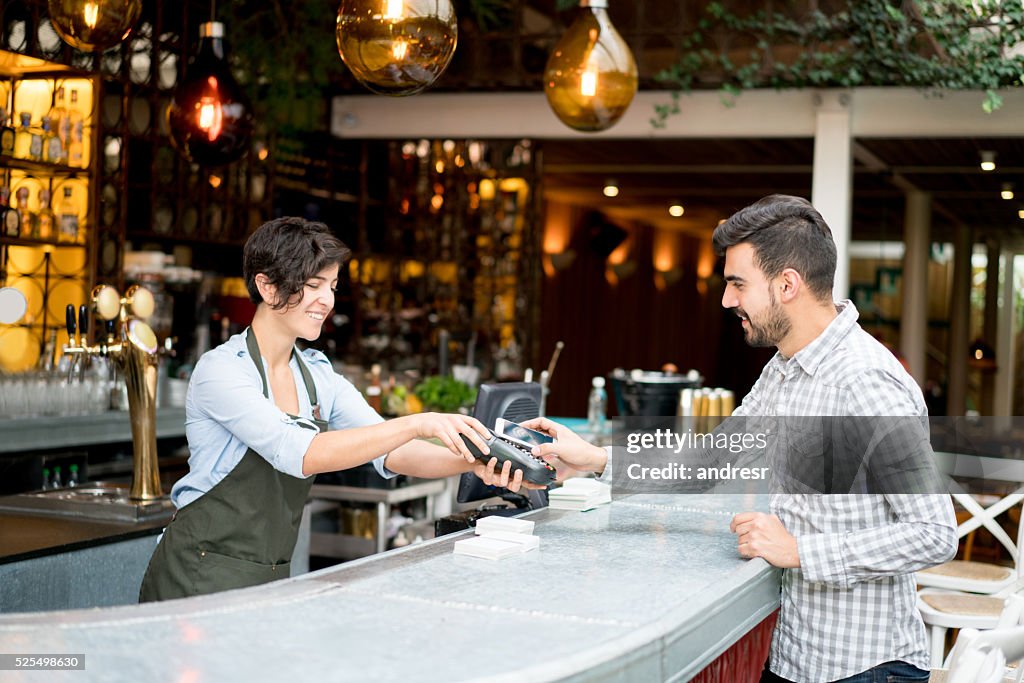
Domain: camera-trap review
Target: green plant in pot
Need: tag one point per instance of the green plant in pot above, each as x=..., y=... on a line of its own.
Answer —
x=445, y=394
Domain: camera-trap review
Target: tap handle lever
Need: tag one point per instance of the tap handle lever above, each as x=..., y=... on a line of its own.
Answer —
x=83, y=322
x=69, y=316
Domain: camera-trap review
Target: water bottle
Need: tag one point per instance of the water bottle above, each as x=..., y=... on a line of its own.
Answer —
x=597, y=406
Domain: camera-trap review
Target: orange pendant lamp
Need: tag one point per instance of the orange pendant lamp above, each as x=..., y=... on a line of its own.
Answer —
x=91, y=25
x=591, y=76
x=396, y=47
x=210, y=117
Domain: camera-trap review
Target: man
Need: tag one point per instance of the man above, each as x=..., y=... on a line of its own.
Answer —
x=848, y=596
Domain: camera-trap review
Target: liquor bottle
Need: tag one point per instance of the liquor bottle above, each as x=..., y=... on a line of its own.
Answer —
x=29, y=227
x=76, y=155
x=56, y=482
x=73, y=477
x=76, y=124
x=67, y=214
x=53, y=150
x=46, y=478
x=59, y=119
x=23, y=137
x=6, y=135
x=47, y=220
x=74, y=112
x=11, y=220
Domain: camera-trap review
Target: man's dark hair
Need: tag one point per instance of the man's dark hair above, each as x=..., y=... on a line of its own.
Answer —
x=785, y=232
x=289, y=251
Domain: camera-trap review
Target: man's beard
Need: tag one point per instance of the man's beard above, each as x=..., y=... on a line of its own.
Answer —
x=771, y=329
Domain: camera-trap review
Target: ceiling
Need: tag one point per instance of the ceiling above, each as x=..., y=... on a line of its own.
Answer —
x=714, y=178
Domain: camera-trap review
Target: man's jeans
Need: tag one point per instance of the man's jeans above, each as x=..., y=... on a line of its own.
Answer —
x=890, y=672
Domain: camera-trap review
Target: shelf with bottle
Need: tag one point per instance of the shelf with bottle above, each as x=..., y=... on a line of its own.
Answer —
x=47, y=207
x=46, y=124
x=43, y=211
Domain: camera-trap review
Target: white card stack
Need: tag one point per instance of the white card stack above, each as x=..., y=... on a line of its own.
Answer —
x=580, y=494
x=499, y=537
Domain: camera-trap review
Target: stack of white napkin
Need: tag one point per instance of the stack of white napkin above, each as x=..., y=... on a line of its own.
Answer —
x=580, y=494
x=499, y=537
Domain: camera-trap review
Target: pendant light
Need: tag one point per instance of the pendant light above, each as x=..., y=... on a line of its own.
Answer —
x=210, y=117
x=396, y=47
x=94, y=24
x=591, y=77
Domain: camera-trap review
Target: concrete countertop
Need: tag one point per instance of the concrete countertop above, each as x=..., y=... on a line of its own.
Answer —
x=647, y=588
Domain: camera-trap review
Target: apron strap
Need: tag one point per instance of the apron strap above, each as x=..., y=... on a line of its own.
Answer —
x=307, y=378
x=257, y=359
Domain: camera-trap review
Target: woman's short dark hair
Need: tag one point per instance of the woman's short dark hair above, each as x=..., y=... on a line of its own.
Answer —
x=289, y=251
x=785, y=232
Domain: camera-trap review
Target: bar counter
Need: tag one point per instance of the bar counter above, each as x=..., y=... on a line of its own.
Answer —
x=28, y=536
x=647, y=588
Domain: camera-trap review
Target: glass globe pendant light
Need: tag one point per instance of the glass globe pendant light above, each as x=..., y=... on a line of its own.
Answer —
x=94, y=24
x=591, y=77
x=396, y=47
x=210, y=117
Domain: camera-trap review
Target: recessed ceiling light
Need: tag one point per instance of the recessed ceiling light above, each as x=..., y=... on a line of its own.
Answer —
x=676, y=210
x=611, y=188
x=1007, y=191
x=988, y=160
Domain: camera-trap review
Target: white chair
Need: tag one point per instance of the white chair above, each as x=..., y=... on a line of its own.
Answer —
x=981, y=657
x=980, y=577
x=1008, y=613
x=969, y=594
x=973, y=577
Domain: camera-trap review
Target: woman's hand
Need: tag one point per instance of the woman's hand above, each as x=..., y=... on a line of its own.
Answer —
x=447, y=427
x=570, y=453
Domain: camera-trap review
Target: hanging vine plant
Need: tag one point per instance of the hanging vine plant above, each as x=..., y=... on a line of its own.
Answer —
x=947, y=44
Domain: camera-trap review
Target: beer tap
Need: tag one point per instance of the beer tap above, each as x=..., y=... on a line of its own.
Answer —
x=131, y=344
x=72, y=339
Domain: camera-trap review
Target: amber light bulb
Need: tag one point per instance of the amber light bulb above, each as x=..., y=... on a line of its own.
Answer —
x=210, y=117
x=591, y=76
x=94, y=24
x=396, y=47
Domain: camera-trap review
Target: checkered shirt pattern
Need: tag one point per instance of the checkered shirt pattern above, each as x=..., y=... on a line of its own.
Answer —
x=851, y=605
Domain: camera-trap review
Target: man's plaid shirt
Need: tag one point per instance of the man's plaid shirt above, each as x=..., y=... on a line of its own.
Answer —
x=851, y=605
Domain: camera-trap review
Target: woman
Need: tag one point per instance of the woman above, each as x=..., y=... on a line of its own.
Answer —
x=262, y=418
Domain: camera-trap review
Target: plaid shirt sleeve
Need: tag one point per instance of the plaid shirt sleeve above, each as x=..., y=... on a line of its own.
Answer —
x=923, y=535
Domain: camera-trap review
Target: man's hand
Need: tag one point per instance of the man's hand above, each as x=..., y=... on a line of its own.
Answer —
x=570, y=453
x=504, y=477
x=762, y=535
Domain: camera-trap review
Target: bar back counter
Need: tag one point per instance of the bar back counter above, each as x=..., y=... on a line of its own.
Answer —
x=648, y=588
